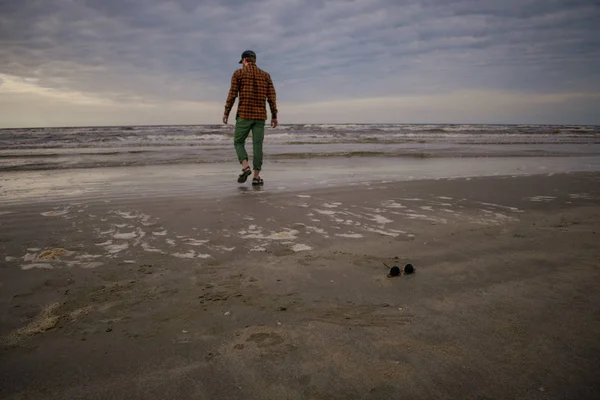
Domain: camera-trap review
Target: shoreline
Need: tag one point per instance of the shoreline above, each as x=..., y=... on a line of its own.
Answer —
x=217, y=180
x=48, y=159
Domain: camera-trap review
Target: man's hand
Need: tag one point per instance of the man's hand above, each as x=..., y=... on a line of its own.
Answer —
x=225, y=118
x=274, y=123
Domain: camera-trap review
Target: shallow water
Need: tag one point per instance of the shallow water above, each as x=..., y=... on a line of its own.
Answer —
x=218, y=180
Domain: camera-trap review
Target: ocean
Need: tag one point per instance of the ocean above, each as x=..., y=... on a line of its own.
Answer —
x=100, y=147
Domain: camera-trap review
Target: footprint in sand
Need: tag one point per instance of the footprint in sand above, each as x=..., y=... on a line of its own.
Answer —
x=265, y=339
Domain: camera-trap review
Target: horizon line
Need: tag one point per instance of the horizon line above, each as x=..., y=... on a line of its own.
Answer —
x=298, y=123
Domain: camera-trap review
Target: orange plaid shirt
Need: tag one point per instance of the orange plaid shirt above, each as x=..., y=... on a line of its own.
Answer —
x=254, y=87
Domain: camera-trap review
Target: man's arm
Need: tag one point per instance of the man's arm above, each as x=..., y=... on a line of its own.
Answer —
x=271, y=99
x=233, y=92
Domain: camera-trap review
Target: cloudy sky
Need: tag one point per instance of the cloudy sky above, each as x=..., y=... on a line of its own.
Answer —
x=115, y=62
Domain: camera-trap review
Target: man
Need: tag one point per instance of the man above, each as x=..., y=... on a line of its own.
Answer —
x=254, y=86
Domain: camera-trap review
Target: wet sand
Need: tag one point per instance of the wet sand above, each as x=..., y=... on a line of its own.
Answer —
x=218, y=180
x=283, y=294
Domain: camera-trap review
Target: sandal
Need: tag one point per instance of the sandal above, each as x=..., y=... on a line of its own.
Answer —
x=244, y=175
x=257, y=181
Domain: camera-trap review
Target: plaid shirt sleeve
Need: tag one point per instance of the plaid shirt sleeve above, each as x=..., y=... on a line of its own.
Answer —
x=271, y=97
x=233, y=92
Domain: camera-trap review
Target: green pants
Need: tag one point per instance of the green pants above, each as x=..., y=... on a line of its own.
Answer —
x=242, y=129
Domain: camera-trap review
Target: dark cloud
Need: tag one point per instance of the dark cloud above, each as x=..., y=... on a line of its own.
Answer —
x=315, y=50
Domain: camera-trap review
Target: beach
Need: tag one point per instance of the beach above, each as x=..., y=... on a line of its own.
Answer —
x=167, y=279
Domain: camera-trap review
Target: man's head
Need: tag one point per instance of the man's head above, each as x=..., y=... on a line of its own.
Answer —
x=248, y=56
